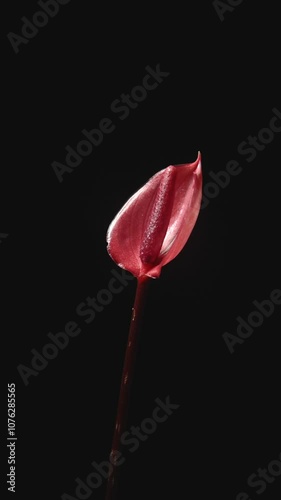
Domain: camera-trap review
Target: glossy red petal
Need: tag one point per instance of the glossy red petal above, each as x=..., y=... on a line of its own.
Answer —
x=125, y=233
x=185, y=211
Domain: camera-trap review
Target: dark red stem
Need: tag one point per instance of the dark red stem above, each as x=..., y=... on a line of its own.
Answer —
x=126, y=381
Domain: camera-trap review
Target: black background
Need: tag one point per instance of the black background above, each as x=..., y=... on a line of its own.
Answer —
x=222, y=87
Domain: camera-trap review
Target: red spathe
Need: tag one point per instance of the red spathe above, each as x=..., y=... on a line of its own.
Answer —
x=156, y=222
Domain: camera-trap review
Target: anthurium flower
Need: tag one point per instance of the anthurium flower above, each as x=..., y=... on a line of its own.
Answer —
x=156, y=222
